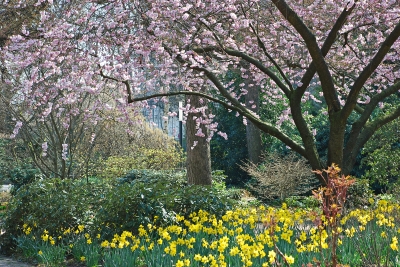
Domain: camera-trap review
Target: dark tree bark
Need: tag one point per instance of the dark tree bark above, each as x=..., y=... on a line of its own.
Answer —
x=253, y=133
x=198, y=160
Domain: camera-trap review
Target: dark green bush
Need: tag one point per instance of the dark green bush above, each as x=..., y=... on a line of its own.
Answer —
x=50, y=204
x=196, y=197
x=126, y=204
x=358, y=194
x=305, y=202
x=169, y=178
x=23, y=175
x=142, y=196
x=130, y=205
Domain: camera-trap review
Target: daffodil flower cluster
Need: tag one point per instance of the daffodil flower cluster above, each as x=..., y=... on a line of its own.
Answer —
x=242, y=237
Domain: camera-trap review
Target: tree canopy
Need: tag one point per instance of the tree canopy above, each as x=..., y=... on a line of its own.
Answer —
x=341, y=55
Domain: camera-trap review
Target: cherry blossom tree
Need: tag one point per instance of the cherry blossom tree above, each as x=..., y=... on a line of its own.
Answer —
x=343, y=55
x=59, y=144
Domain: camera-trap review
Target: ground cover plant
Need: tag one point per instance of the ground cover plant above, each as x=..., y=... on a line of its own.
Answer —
x=255, y=236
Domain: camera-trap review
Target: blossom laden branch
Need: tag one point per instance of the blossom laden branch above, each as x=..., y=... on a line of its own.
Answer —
x=125, y=82
x=329, y=41
x=369, y=69
x=213, y=99
x=315, y=53
x=262, y=46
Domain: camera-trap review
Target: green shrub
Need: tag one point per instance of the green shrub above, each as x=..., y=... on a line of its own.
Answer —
x=116, y=166
x=142, y=158
x=143, y=197
x=196, y=197
x=129, y=205
x=51, y=204
x=218, y=180
x=358, y=194
x=303, y=202
x=23, y=175
x=169, y=178
x=140, y=198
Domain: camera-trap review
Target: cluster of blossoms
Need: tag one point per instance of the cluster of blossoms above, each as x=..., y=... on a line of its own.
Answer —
x=288, y=52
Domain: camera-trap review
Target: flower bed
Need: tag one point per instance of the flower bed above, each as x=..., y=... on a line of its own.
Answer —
x=262, y=236
x=242, y=237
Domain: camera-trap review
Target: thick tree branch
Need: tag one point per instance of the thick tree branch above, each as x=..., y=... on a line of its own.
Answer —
x=368, y=70
x=258, y=64
x=255, y=62
x=329, y=41
x=306, y=135
x=315, y=53
x=369, y=129
x=126, y=83
x=226, y=105
x=216, y=81
x=261, y=67
x=295, y=101
x=357, y=126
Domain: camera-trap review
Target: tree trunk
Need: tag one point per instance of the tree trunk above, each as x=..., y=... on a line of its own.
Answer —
x=336, y=140
x=253, y=133
x=198, y=160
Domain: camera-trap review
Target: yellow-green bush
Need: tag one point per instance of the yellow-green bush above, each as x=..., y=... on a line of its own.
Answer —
x=142, y=158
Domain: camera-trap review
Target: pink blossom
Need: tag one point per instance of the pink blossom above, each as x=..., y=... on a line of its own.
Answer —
x=194, y=144
x=64, y=151
x=44, y=149
x=200, y=133
x=18, y=126
x=185, y=16
x=224, y=135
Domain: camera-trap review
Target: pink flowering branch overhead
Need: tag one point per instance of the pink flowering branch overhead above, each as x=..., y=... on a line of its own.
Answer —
x=346, y=63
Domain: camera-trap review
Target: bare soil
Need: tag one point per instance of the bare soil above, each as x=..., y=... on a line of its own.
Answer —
x=9, y=262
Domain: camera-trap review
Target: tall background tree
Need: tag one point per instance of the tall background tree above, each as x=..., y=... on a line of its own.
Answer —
x=347, y=62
